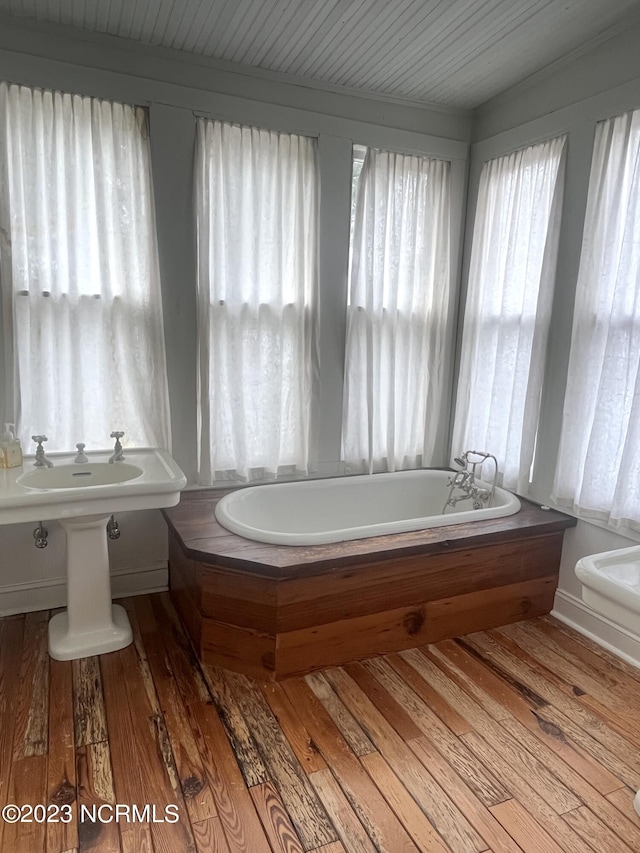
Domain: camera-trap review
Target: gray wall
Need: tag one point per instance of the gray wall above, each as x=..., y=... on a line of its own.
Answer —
x=570, y=99
x=176, y=88
x=599, y=71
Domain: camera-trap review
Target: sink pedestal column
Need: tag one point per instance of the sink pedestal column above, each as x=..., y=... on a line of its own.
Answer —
x=91, y=625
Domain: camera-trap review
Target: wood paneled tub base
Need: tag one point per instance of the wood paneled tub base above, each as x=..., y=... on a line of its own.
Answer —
x=272, y=611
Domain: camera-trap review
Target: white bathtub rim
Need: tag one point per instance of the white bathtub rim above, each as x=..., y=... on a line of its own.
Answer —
x=509, y=506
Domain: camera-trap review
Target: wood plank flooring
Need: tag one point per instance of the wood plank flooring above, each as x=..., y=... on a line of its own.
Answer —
x=523, y=739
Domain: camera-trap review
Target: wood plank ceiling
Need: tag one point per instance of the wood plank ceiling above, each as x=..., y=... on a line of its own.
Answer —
x=457, y=53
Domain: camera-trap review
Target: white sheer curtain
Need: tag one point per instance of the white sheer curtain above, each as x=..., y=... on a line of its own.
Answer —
x=598, y=471
x=506, y=323
x=257, y=199
x=397, y=312
x=79, y=268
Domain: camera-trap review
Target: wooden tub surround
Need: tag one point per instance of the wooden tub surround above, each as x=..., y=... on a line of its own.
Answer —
x=273, y=611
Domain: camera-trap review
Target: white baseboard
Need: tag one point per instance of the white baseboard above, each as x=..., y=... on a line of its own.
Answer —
x=575, y=613
x=52, y=592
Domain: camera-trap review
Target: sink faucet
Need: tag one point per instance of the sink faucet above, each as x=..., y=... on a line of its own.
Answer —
x=41, y=459
x=118, y=453
x=81, y=456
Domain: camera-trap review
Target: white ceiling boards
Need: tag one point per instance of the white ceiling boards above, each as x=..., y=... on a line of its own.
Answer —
x=457, y=53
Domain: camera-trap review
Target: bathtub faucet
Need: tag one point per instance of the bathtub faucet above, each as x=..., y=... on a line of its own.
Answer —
x=464, y=481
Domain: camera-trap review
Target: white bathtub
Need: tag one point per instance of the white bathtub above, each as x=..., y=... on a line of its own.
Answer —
x=314, y=512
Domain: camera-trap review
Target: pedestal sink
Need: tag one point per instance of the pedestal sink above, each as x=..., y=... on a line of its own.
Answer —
x=82, y=497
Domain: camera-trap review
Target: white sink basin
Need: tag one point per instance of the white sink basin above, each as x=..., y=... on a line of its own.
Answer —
x=147, y=479
x=79, y=476
x=83, y=497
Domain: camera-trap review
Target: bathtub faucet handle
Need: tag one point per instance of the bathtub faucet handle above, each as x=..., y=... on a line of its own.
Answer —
x=460, y=479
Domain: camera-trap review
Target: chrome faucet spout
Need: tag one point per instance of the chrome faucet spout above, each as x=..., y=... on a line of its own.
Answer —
x=81, y=456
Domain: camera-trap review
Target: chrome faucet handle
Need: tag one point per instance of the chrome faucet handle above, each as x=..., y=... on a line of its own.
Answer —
x=41, y=459
x=459, y=479
x=117, y=455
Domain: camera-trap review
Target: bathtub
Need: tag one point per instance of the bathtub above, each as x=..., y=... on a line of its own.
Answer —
x=272, y=611
x=315, y=512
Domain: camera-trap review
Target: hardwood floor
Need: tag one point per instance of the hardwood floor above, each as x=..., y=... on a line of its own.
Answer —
x=524, y=738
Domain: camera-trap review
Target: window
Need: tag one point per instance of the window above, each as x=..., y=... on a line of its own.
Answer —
x=506, y=323
x=79, y=271
x=397, y=311
x=256, y=198
x=598, y=471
